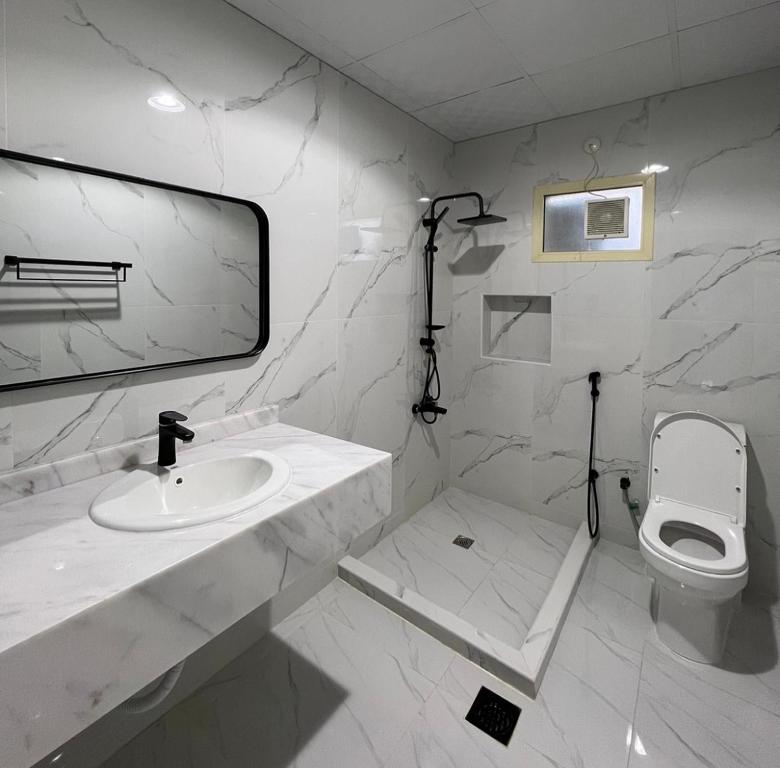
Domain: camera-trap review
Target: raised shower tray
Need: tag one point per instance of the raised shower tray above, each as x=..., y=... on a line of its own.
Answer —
x=517, y=658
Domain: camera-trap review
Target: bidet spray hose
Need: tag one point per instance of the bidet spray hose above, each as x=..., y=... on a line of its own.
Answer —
x=593, y=510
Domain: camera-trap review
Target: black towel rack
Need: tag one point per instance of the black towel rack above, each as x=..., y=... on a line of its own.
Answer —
x=116, y=266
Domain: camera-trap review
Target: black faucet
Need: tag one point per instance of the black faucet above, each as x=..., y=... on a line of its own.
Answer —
x=170, y=432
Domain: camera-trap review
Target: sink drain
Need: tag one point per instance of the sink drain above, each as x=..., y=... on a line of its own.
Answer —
x=494, y=715
x=463, y=541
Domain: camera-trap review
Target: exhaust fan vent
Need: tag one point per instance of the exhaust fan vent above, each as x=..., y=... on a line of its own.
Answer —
x=606, y=218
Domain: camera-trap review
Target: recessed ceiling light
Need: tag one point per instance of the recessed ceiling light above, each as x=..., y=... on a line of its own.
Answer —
x=655, y=168
x=165, y=102
x=58, y=159
x=423, y=199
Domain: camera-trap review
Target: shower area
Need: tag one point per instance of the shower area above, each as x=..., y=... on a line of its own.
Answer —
x=491, y=580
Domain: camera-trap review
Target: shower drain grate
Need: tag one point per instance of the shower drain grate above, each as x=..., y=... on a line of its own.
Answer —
x=463, y=541
x=494, y=715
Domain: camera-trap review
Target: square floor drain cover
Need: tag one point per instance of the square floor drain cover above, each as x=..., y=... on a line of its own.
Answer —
x=494, y=715
x=463, y=541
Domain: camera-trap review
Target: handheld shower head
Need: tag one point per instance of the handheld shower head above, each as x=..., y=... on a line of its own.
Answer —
x=480, y=219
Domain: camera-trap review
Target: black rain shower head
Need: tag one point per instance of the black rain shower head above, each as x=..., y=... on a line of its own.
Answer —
x=428, y=407
x=432, y=220
x=480, y=219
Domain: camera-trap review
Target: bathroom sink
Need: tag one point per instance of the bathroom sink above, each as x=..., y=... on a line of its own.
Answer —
x=195, y=491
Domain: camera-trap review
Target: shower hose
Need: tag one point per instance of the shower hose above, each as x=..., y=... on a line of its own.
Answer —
x=593, y=475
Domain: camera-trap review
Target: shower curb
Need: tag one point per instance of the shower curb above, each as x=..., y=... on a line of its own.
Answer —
x=522, y=668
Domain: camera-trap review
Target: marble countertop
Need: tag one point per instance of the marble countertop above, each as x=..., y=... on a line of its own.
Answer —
x=90, y=615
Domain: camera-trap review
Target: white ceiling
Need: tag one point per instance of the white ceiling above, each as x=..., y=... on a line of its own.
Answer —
x=472, y=67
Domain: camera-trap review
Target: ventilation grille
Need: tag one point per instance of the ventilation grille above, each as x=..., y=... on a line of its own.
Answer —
x=606, y=218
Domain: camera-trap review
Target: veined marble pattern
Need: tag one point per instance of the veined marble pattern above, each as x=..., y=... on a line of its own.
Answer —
x=696, y=328
x=611, y=697
x=499, y=584
x=152, y=605
x=194, y=261
x=44, y=477
x=337, y=170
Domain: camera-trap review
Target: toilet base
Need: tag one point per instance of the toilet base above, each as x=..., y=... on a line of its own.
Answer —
x=692, y=627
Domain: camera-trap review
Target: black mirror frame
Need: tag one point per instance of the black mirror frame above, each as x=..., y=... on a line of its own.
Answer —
x=262, y=226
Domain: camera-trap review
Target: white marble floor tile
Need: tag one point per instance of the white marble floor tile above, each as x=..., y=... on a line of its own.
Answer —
x=440, y=737
x=420, y=555
x=323, y=697
x=540, y=545
x=600, y=667
x=312, y=607
x=506, y=603
x=752, y=646
x=343, y=682
x=427, y=562
x=590, y=688
x=381, y=628
x=697, y=716
x=492, y=526
x=571, y=732
x=613, y=598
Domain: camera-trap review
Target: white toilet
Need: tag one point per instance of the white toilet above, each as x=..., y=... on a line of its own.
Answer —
x=692, y=536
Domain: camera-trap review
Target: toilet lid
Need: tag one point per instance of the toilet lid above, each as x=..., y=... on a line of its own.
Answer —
x=665, y=514
x=700, y=461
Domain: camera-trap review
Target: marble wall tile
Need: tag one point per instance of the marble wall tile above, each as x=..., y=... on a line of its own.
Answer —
x=94, y=65
x=6, y=439
x=338, y=172
x=291, y=100
x=374, y=404
x=20, y=353
x=201, y=397
x=182, y=333
x=694, y=329
x=83, y=417
x=425, y=454
x=78, y=343
x=296, y=371
x=375, y=215
x=187, y=254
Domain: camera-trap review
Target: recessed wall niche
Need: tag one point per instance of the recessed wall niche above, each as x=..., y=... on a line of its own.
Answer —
x=517, y=328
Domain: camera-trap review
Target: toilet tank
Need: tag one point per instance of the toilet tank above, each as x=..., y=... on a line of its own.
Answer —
x=699, y=460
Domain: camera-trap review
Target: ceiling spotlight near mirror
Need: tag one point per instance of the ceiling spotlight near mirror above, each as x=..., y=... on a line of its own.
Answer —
x=165, y=102
x=655, y=168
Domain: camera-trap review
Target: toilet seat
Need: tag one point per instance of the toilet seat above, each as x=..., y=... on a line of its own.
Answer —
x=661, y=512
x=692, y=535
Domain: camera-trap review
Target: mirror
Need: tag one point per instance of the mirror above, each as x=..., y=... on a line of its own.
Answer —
x=104, y=273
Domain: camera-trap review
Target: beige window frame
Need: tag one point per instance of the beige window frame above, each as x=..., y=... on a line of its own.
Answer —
x=643, y=253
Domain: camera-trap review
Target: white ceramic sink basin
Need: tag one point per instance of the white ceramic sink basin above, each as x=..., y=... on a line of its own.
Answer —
x=195, y=491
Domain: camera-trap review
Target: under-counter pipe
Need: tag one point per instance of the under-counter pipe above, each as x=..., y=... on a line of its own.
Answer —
x=143, y=702
x=632, y=504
